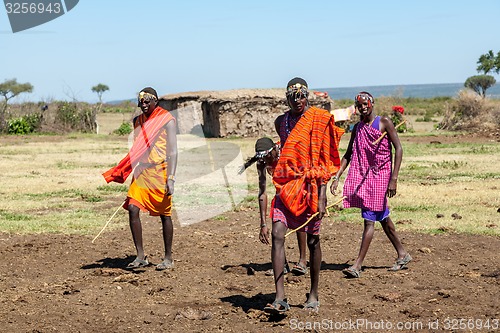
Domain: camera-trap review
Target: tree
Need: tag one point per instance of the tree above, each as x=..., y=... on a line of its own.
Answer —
x=480, y=83
x=486, y=63
x=497, y=63
x=10, y=89
x=100, y=89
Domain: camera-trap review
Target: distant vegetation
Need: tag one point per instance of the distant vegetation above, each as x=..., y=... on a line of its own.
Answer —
x=99, y=90
x=10, y=89
x=487, y=63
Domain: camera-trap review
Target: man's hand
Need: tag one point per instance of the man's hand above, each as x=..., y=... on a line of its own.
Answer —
x=391, y=189
x=321, y=208
x=333, y=187
x=264, y=235
x=170, y=187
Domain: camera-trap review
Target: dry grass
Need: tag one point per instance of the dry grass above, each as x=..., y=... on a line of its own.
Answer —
x=54, y=183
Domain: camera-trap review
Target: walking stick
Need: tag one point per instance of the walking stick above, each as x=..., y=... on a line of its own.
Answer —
x=100, y=232
x=312, y=216
x=383, y=134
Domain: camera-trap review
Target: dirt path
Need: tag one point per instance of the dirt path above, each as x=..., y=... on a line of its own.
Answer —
x=61, y=283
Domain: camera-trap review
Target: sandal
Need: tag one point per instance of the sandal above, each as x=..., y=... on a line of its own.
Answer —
x=299, y=269
x=352, y=273
x=401, y=263
x=165, y=264
x=311, y=306
x=277, y=307
x=138, y=263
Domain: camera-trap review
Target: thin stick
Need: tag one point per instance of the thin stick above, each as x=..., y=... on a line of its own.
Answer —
x=383, y=134
x=312, y=216
x=100, y=232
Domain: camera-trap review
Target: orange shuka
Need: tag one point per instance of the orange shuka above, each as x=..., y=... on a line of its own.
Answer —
x=308, y=159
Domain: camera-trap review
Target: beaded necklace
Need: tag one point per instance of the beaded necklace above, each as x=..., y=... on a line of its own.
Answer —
x=290, y=122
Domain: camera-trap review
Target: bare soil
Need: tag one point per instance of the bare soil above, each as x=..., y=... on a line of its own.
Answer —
x=65, y=283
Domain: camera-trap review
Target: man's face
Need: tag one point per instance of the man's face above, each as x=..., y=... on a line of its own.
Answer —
x=272, y=157
x=297, y=102
x=364, y=106
x=147, y=105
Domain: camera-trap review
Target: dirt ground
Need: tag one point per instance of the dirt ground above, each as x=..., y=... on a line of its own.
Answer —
x=65, y=283
x=62, y=283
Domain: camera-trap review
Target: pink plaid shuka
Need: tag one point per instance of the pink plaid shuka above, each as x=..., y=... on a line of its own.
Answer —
x=370, y=170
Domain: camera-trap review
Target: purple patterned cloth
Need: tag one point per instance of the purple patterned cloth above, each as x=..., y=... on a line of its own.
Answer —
x=279, y=213
x=370, y=169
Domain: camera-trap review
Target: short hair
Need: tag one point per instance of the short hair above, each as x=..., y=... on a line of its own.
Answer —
x=263, y=147
x=264, y=144
x=296, y=80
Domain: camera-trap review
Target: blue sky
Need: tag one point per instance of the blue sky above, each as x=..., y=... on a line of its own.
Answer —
x=190, y=45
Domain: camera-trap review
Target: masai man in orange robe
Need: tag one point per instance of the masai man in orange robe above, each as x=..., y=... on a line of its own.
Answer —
x=153, y=160
x=309, y=157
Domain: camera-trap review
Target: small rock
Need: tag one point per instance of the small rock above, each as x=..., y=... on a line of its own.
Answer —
x=130, y=278
x=425, y=250
x=250, y=271
x=456, y=216
x=491, y=226
x=291, y=279
x=439, y=216
x=495, y=274
x=390, y=297
x=192, y=314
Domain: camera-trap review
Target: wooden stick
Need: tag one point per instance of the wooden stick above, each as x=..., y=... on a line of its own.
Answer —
x=312, y=216
x=383, y=134
x=100, y=232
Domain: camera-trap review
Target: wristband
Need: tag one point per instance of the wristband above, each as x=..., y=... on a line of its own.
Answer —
x=171, y=177
x=263, y=225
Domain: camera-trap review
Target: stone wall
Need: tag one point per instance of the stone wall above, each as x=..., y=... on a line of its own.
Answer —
x=242, y=113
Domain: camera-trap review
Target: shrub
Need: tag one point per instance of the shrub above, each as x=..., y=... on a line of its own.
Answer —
x=24, y=125
x=76, y=116
x=124, y=129
x=471, y=112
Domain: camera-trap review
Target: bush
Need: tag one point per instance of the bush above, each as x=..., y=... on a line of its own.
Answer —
x=24, y=125
x=471, y=112
x=75, y=116
x=124, y=129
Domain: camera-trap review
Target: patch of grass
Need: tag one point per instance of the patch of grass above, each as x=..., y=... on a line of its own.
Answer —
x=91, y=198
x=8, y=216
x=113, y=188
x=449, y=165
x=65, y=165
x=415, y=208
x=250, y=198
